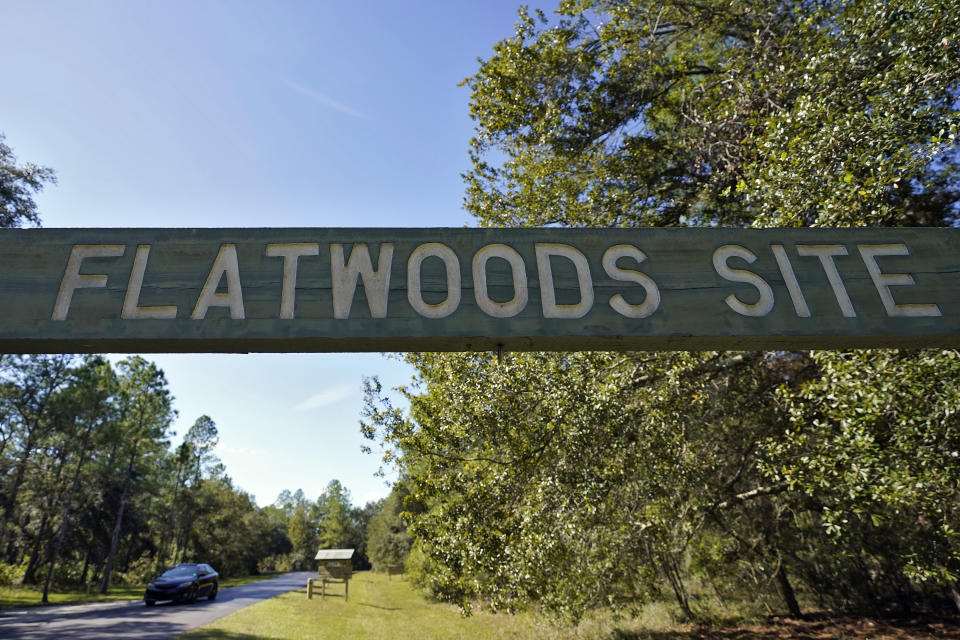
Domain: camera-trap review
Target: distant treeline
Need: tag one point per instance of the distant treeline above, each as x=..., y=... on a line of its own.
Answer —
x=92, y=493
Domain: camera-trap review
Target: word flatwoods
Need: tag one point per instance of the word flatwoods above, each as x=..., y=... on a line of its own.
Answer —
x=278, y=290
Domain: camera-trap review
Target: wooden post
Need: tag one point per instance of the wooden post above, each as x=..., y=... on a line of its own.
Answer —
x=346, y=589
x=310, y=589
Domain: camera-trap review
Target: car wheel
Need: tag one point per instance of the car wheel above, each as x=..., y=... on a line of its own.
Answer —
x=149, y=603
x=213, y=593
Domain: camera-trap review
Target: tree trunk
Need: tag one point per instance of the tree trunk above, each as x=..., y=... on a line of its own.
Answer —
x=86, y=568
x=676, y=583
x=34, y=561
x=789, y=596
x=954, y=593
x=57, y=545
x=115, y=540
x=10, y=500
x=114, y=544
x=183, y=541
x=65, y=517
x=171, y=529
x=164, y=537
x=97, y=570
x=30, y=443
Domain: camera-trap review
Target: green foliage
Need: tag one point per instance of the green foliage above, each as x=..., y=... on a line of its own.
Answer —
x=336, y=527
x=18, y=184
x=91, y=490
x=277, y=562
x=420, y=570
x=586, y=480
x=732, y=112
x=302, y=533
x=877, y=442
x=11, y=574
x=229, y=532
x=360, y=519
x=301, y=527
x=139, y=572
x=388, y=541
x=579, y=480
x=138, y=434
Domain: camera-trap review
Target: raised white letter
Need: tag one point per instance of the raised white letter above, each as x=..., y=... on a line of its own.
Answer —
x=883, y=281
x=826, y=252
x=548, y=297
x=290, y=252
x=652, y=300
x=376, y=284
x=226, y=263
x=493, y=308
x=790, y=279
x=452, y=265
x=72, y=278
x=131, y=301
x=761, y=307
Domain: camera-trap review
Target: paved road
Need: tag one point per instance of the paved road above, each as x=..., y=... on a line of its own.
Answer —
x=132, y=620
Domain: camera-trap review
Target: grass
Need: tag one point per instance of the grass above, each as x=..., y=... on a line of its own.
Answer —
x=378, y=608
x=18, y=597
x=226, y=583
x=383, y=608
x=390, y=608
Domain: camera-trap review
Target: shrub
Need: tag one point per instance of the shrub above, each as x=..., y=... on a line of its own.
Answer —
x=140, y=572
x=12, y=574
x=276, y=562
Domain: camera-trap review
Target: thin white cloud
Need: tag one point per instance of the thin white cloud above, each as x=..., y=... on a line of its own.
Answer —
x=322, y=99
x=327, y=397
x=371, y=496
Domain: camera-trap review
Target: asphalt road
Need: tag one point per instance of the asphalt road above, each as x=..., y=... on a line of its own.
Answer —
x=132, y=620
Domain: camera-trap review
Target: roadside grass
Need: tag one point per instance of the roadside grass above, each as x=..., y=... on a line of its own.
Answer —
x=18, y=597
x=378, y=608
x=226, y=583
x=384, y=608
x=391, y=608
x=22, y=596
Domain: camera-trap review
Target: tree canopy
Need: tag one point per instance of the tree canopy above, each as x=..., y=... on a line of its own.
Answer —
x=587, y=480
x=721, y=112
x=18, y=184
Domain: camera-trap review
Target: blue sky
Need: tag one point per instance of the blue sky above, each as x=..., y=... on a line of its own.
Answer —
x=237, y=113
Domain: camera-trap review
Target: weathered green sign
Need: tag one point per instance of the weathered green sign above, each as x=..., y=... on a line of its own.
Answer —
x=179, y=290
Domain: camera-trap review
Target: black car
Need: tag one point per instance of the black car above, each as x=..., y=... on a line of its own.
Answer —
x=185, y=582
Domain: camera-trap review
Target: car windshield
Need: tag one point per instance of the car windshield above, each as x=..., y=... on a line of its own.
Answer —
x=180, y=572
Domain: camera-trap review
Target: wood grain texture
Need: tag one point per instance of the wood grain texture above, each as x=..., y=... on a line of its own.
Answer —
x=897, y=288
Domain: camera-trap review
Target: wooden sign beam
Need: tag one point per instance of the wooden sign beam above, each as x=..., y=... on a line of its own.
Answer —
x=280, y=290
